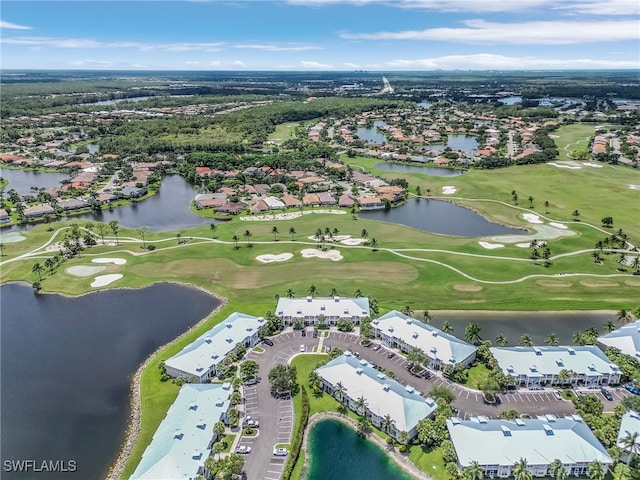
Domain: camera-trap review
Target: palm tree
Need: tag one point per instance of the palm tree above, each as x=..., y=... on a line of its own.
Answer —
x=275, y=232
x=635, y=263
x=426, y=316
x=472, y=334
x=446, y=327
x=557, y=470
x=333, y=292
x=576, y=214
x=102, y=229
x=247, y=234
x=292, y=232
x=374, y=244
x=364, y=425
x=525, y=340
x=403, y=438
x=596, y=472
x=361, y=405
x=622, y=316
x=213, y=228
x=621, y=472
x=552, y=339
x=235, y=241
x=520, y=470
x=315, y=381
x=1, y=249
x=142, y=230
x=473, y=472
x=609, y=326
x=290, y=293
x=179, y=237
x=339, y=391
x=629, y=443
x=546, y=206
x=530, y=201
x=218, y=448
x=501, y=340
x=358, y=293
x=38, y=268
x=387, y=424
x=406, y=310
x=219, y=429
x=313, y=290
x=364, y=233
x=50, y=264
x=114, y=226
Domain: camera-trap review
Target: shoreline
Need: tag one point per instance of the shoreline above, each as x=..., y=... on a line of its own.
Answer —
x=135, y=398
x=401, y=460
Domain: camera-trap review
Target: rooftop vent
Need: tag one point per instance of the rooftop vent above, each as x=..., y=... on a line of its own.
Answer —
x=381, y=376
x=455, y=420
x=201, y=424
x=538, y=351
x=390, y=329
x=533, y=368
x=551, y=418
x=571, y=351
x=359, y=371
x=482, y=419
x=323, y=308
x=434, y=333
x=229, y=325
x=364, y=362
x=429, y=401
x=385, y=387
x=260, y=319
x=196, y=455
x=433, y=350
x=506, y=431
x=547, y=429
x=560, y=362
x=219, y=403
x=346, y=311
x=229, y=340
x=577, y=418
x=415, y=335
x=178, y=434
x=299, y=311
x=336, y=299
x=193, y=406
x=208, y=340
x=309, y=299
x=409, y=321
x=409, y=389
x=199, y=369
x=519, y=422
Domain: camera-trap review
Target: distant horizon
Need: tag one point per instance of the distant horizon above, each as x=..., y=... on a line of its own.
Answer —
x=320, y=35
x=377, y=72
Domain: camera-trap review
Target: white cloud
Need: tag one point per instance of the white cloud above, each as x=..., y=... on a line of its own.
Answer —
x=310, y=64
x=239, y=63
x=599, y=7
x=277, y=48
x=526, y=33
x=12, y=26
x=487, y=61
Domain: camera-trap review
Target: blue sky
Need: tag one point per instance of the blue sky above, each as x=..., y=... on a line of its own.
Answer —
x=377, y=35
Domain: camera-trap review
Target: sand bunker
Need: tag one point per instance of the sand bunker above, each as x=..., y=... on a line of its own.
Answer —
x=553, y=284
x=543, y=232
x=558, y=225
x=84, y=270
x=528, y=244
x=594, y=165
x=597, y=283
x=491, y=246
x=104, y=280
x=334, y=255
x=634, y=187
x=632, y=283
x=467, y=288
x=449, y=190
x=531, y=218
x=116, y=261
x=353, y=241
x=283, y=257
x=12, y=237
x=570, y=165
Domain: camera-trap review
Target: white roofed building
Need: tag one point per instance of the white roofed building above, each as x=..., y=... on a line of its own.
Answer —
x=498, y=444
x=199, y=360
x=626, y=339
x=383, y=395
x=182, y=443
x=398, y=330
x=536, y=367
x=629, y=428
x=314, y=310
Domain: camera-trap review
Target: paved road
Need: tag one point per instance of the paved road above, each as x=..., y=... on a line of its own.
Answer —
x=276, y=415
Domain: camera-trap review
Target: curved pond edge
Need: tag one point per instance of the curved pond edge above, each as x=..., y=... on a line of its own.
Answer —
x=135, y=397
x=402, y=461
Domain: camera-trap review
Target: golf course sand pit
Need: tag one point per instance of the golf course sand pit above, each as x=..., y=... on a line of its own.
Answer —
x=104, y=280
x=597, y=283
x=527, y=245
x=334, y=255
x=553, y=284
x=490, y=246
x=282, y=257
x=532, y=218
x=592, y=165
x=632, y=282
x=12, y=237
x=543, y=232
x=115, y=261
x=353, y=241
x=558, y=225
x=84, y=270
x=467, y=288
x=634, y=187
x=449, y=190
x=569, y=165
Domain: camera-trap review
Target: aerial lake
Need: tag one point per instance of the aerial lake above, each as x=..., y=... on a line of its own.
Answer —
x=333, y=448
x=433, y=171
x=463, y=143
x=67, y=364
x=371, y=134
x=439, y=216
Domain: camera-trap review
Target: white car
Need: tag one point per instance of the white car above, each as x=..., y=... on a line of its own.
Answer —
x=243, y=449
x=302, y=348
x=280, y=452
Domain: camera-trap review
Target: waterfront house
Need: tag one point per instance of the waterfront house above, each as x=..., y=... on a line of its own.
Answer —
x=314, y=310
x=626, y=339
x=182, y=443
x=291, y=202
x=209, y=200
x=37, y=211
x=537, y=367
x=349, y=379
x=231, y=208
x=72, y=204
x=274, y=203
x=346, y=201
x=442, y=350
x=326, y=199
x=133, y=192
x=198, y=361
x=370, y=203
x=4, y=216
x=496, y=445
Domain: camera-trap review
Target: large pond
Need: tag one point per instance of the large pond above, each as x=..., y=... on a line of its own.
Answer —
x=22, y=180
x=333, y=447
x=435, y=172
x=371, y=134
x=167, y=210
x=439, y=216
x=463, y=143
x=67, y=365
x=515, y=324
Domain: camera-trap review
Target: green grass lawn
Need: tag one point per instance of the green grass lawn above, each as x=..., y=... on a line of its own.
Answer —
x=477, y=376
x=429, y=462
x=573, y=138
x=228, y=442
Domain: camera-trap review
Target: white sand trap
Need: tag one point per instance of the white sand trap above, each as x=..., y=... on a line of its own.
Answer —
x=543, y=232
x=84, y=270
x=634, y=187
x=531, y=218
x=116, y=261
x=283, y=257
x=104, y=280
x=12, y=237
x=570, y=165
x=491, y=246
x=449, y=190
x=527, y=245
x=354, y=241
x=334, y=255
x=558, y=225
x=594, y=165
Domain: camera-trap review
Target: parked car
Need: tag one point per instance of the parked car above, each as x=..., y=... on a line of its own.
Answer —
x=557, y=394
x=606, y=394
x=250, y=381
x=243, y=449
x=315, y=333
x=373, y=365
x=302, y=348
x=410, y=365
x=391, y=355
x=249, y=421
x=376, y=347
x=304, y=333
x=633, y=389
x=356, y=354
x=267, y=341
x=280, y=452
